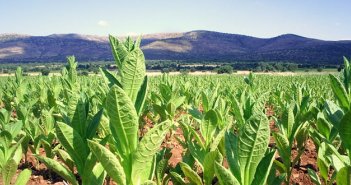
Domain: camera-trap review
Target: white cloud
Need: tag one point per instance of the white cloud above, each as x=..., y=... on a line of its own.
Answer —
x=103, y=23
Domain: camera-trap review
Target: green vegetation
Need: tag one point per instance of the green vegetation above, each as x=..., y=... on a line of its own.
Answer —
x=224, y=69
x=45, y=72
x=174, y=66
x=124, y=126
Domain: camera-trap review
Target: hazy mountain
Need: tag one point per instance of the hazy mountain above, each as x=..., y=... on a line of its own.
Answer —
x=194, y=45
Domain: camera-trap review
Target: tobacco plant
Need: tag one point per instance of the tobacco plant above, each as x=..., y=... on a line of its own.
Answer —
x=168, y=101
x=130, y=160
x=11, y=138
x=335, y=131
x=248, y=159
x=73, y=135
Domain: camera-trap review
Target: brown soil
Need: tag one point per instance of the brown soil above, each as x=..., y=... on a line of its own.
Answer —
x=40, y=174
x=308, y=160
x=43, y=176
x=177, y=149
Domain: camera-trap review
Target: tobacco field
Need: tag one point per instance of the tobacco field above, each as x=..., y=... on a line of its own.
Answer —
x=129, y=129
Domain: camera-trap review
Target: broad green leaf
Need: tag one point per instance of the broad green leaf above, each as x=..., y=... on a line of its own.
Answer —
x=94, y=124
x=79, y=119
x=66, y=159
x=171, y=108
x=19, y=75
x=195, y=113
x=112, y=80
x=161, y=170
x=73, y=143
x=323, y=126
x=23, y=177
x=17, y=156
x=178, y=101
x=197, y=152
x=160, y=110
x=334, y=113
x=231, y=148
x=129, y=44
x=109, y=161
x=343, y=177
x=8, y=171
x=166, y=92
x=301, y=135
x=339, y=92
x=71, y=68
x=133, y=70
x=197, y=137
x=238, y=111
x=345, y=130
x=89, y=175
x=58, y=168
x=280, y=166
x=208, y=126
x=338, y=160
x=225, y=177
x=98, y=175
x=314, y=177
x=322, y=163
x=118, y=50
x=4, y=116
x=283, y=146
x=5, y=138
x=299, y=96
x=252, y=144
x=263, y=169
x=205, y=102
x=139, y=103
x=190, y=173
x=209, y=162
x=14, y=128
x=147, y=148
x=259, y=104
x=347, y=74
x=137, y=42
x=177, y=179
x=288, y=120
x=123, y=119
x=218, y=138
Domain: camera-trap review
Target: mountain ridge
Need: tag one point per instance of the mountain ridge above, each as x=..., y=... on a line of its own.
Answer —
x=193, y=45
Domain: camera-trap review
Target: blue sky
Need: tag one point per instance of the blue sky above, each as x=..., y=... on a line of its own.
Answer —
x=323, y=19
